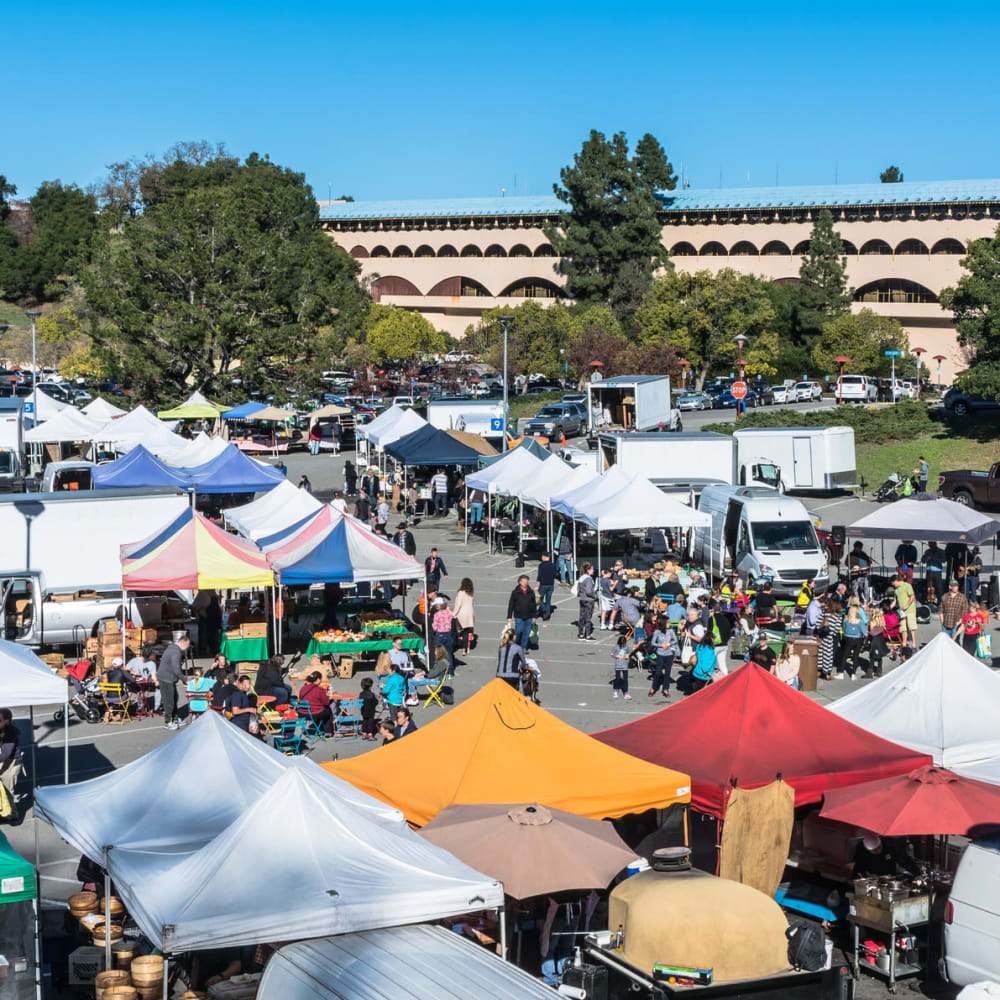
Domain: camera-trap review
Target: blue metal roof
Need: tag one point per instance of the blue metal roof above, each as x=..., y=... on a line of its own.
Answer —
x=687, y=200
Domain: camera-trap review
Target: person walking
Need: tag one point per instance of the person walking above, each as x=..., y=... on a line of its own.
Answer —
x=973, y=569
x=830, y=637
x=923, y=474
x=282, y=468
x=522, y=609
x=442, y=623
x=362, y=507
x=350, y=478
x=10, y=757
x=435, y=569
x=933, y=560
x=906, y=559
x=338, y=434
x=972, y=626
x=382, y=514
x=465, y=612
x=854, y=638
x=586, y=594
x=169, y=674
x=439, y=489
x=906, y=608
x=877, y=645
x=304, y=483
x=315, y=436
x=545, y=584
x=619, y=660
x=606, y=597
x=666, y=647
x=565, y=547
x=510, y=660
x=338, y=502
x=952, y=609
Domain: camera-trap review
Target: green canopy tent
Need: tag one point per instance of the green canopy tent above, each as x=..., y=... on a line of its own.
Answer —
x=19, y=945
x=533, y=446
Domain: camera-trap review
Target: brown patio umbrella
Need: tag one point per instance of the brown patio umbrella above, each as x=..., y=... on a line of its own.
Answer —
x=532, y=849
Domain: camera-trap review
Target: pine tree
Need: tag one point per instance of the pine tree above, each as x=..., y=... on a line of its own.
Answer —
x=823, y=293
x=891, y=175
x=609, y=238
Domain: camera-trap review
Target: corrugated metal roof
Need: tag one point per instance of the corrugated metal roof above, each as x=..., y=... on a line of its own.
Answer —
x=688, y=200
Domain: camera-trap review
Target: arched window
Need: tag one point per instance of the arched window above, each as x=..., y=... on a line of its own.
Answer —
x=776, y=249
x=519, y=250
x=380, y=251
x=423, y=251
x=743, y=249
x=532, y=288
x=447, y=251
x=459, y=285
x=544, y=250
x=683, y=249
x=876, y=247
x=912, y=248
x=495, y=250
x=391, y=284
x=894, y=290
x=713, y=249
x=359, y=251
x=849, y=248
x=945, y=246
x=471, y=250
x=474, y=288
x=801, y=248
x=785, y=281
x=402, y=251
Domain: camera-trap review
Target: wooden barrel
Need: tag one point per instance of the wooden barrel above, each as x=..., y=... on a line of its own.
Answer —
x=147, y=971
x=124, y=952
x=82, y=903
x=115, y=932
x=103, y=981
x=116, y=906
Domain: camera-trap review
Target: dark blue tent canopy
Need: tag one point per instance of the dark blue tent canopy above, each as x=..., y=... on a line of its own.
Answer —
x=138, y=468
x=429, y=446
x=232, y=471
x=329, y=561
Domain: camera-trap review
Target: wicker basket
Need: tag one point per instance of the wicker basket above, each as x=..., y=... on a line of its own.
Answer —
x=104, y=981
x=82, y=903
x=115, y=905
x=115, y=932
x=147, y=972
x=123, y=952
x=121, y=993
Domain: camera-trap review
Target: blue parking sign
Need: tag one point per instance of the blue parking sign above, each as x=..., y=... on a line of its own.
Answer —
x=29, y=406
x=496, y=424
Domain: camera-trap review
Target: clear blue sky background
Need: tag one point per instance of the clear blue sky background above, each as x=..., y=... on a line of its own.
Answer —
x=391, y=100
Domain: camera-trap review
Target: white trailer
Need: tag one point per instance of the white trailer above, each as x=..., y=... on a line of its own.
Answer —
x=485, y=417
x=12, y=465
x=807, y=458
x=59, y=544
x=631, y=403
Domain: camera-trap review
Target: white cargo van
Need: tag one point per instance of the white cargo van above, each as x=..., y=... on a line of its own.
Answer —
x=809, y=459
x=760, y=533
x=972, y=915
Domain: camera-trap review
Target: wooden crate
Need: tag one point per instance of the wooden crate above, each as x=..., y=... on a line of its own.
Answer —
x=55, y=660
x=233, y=633
x=345, y=667
x=109, y=626
x=93, y=645
x=253, y=630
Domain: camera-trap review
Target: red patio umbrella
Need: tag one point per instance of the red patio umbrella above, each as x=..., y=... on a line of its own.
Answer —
x=596, y=364
x=926, y=802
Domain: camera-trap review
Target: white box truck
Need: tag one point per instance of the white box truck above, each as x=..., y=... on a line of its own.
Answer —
x=816, y=459
x=56, y=545
x=631, y=403
x=485, y=417
x=12, y=464
x=760, y=533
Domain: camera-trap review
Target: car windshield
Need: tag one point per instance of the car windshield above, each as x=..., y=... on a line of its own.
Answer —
x=6, y=463
x=804, y=385
x=784, y=535
x=549, y=411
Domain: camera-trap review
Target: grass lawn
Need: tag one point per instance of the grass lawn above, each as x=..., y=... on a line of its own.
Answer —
x=945, y=449
x=12, y=315
x=528, y=406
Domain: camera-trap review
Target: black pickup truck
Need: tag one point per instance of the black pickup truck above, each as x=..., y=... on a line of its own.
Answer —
x=971, y=487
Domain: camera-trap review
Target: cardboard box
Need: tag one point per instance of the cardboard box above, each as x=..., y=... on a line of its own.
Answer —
x=55, y=660
x=21, y=604
x=345, y=667
x=247, y=666
x=109, y=626
x=63, y=597
x=253, y=630
x=234, y=633
x=84, y=964
x=92, y=645
x=86, y=595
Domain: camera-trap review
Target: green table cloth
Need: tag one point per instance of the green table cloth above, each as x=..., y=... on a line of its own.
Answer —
x=372, y=646
x=244, y=649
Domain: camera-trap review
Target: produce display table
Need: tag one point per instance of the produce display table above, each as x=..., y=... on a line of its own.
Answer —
x=358, y=605
x=395, y=628
x=248, y=650
x=369, y=646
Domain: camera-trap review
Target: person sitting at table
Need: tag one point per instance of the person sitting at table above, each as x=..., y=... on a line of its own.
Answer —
x=318, y=701
x=671, y=588
x=388, y=730
x=394, y=689
x=404, y=723
x=270, y=680
x=222, y=692
x=399, y=657
x=243, y=713
x=220, y=666
x=198, y=689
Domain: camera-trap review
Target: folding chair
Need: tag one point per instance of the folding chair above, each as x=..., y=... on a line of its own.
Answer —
x=311, y=728
x=432, y=688
x=116, y=702
x=290, y=739
x=347, y=722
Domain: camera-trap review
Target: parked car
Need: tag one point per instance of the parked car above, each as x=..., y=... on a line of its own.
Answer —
x=807, y=391
x=557, y=419
x=972, y=915
x=971, y=487
x=782, y=394
x=694, y=401
x=763, y=392
x=856, y=389
x=963, y=403
x=728, y=401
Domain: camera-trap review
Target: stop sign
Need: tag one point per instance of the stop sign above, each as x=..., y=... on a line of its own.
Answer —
x=739, y=390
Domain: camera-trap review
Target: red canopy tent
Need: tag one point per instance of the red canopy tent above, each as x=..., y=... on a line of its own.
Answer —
x=748, y=728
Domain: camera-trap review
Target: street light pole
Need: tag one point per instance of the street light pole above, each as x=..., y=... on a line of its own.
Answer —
x=918, y=351
x=505, y=322
x=33, y=315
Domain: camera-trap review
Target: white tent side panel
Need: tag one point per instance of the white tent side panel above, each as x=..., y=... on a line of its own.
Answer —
x=26, y=680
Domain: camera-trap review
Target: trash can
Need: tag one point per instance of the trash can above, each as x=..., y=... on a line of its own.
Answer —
x=807, y=650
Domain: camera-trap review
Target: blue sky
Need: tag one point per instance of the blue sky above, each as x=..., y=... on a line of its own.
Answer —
x=407, y=101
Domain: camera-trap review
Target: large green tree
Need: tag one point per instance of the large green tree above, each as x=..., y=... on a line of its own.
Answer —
x=536, y=335
x=975, y=302
x=224, y=281
x=822, y=291
x=402, y=335
x=609, y=237
x=864, y=337
x=595, y=334
x=700, y=314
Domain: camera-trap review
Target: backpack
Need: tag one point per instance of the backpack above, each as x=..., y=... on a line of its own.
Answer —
x=806, y=946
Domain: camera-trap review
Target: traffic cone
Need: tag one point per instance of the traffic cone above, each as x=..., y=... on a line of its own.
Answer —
x=563, y=442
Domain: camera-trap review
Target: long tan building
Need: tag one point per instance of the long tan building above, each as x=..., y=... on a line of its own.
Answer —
x=452, y=259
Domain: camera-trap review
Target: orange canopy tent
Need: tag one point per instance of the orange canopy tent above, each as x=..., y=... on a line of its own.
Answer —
x=500, y=747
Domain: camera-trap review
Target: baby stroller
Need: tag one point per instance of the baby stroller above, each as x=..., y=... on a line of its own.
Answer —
x=86, y=700
x=530, y=675
x=889, y=491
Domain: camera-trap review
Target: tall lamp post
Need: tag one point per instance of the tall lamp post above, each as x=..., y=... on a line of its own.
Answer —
x=918, y=351
x=740, y=341
x=505, y=321
x=939, y=358
x=33, y=316
x=841, y=360
x=685, y=366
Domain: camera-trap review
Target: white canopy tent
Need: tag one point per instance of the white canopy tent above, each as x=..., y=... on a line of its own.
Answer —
x=183, y=794
x=506, y=476
x=925, y=518
x=26, y=680
x=139, y=426
x=197, y=452
x=272, y=512
x=942, y=701
x=66, y=426
x=340, y=872
x=47, y=408
x=102, y=410
x=553, y=479
x=438, y=964
x=382, y=422
x=407, y=422
x=608, y=484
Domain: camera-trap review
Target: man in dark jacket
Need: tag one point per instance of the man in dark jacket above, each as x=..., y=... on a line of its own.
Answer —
x=521, y=611
x=545, y=584
x=405, y=540
x=434, y=565
x=168, y=675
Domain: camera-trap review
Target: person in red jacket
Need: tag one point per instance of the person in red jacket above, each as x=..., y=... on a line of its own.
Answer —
x=319, y=701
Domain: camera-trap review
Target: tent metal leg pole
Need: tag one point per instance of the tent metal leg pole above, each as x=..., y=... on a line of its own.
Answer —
x=38, y=934
x=502, y=918
x=124, y=619
x=428, y=650
x=34, y=784
x=466, y=515
x=598, y=552
x=520, y=526
x=166, y=978
x=107, y=914
x=66, y=744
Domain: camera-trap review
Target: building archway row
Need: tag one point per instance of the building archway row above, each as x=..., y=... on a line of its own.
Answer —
x=465, y=287
x=452, y=250
x=778, y=248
